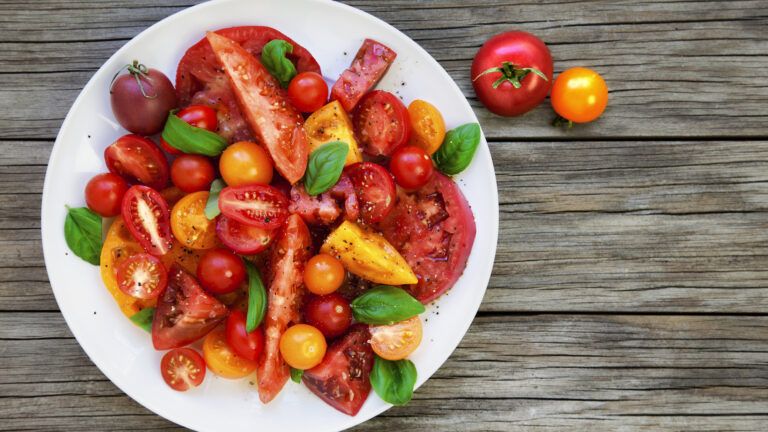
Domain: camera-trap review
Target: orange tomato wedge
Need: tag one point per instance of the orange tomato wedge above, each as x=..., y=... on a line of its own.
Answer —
x=396, y=341
x=222, y=360
x=189, y=224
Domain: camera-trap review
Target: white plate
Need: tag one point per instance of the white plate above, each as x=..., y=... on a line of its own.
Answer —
x=123, y=351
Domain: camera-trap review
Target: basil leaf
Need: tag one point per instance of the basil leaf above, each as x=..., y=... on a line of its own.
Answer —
x=190, y=139
x=384, y=305
x=393, y=381
x=257, y=298
x=82, y=231
x=458, y=148
x=273, y=57
x=143, y=318
x=212, y=205
x=296, y=375
x=325, y=166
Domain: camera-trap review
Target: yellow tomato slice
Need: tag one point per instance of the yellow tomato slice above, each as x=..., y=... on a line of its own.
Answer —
x=396, y=341
x=428, y=126
x=331, y=123
x=189, y=224
x=220, y=358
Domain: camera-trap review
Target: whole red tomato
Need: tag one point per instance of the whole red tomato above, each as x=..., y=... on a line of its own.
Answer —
x=512, y=73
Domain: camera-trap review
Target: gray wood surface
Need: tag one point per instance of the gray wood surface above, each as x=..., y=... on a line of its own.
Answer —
x=630, y=290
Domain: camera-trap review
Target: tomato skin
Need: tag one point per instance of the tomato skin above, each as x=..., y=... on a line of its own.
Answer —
x=330, y=314
x=246, y=345
x=302, y=346
x=323, y=274
x=201, y=116
x=396, y=341
x=257, y=205
x=308, y=91
x=411, y=166
x=220, y=271
x=427, y=124
x=244, y=163
x=369, y=65
x=579, y=95
x=142, y=108
x=375, y=190
x=241, y=238
x=382, y=122
x=192, y=173
x=182, y=369
x=137, y=160
x=142, y=276
x=104, y=194
x=222, y=359
x=146, y=215
x=523, y=50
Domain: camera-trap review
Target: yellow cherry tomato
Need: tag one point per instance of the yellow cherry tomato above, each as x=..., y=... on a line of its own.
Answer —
x=396, y=341
x=189, y=224
x=427, y=126
x=579, y=95
x=303, y=346
x=245, y=163
x=323, y=274
x=222, y=360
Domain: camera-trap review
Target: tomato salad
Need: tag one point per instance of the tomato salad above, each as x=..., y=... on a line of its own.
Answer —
x=275, y=230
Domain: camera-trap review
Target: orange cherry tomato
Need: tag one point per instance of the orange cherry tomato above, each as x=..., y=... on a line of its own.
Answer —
x=245, y=163
x=303, y=346
x=222, y=359
x=323, y=274
x=428, y=126
x=579, y=95
x=396, y=341
x=189, y=224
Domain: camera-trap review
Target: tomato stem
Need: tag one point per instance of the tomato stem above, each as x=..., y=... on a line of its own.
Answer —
x=512, y=74
x=138, y=71
x=560, y=121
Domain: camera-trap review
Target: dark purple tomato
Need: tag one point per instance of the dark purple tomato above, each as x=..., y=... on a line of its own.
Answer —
x=141, y=99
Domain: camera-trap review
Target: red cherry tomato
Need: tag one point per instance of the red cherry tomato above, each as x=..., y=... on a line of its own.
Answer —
x=198, y=116
x=220, y=271
x=411, y=166
x=507, y=59
x=244, y=344
x=258, y=205
x=241, y=238
x=330, y=313
x=104, y=194
x=308, y=92
x=137, y=160
x=192, y=173
x=382, y=123
x=146, y=215
x=142, y=276
x=374, y=189
x=182, y=369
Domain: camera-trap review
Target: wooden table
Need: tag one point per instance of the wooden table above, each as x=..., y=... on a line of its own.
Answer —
x=630, y=289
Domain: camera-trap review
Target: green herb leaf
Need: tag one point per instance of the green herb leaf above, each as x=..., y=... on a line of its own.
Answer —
x=190, y=139
x=257, y=298
x=325, y=166
x=212, y=205
x=384, y=305
x=458, y=149
x=143, y=318
x=273, y=57
x=296, y=375
x=393, y=381
x=82, y=231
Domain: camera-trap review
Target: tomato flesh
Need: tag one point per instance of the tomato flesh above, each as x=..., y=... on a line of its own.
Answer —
x=396, y=341
x=382, y=122
x=241, y=238
x=146, y=215
x=245, y=344
x=261, y=206
x=182, y=369
x=325, y=209
x=142, y=276
x=137, y=160
x=375, y=190
x=369, y=65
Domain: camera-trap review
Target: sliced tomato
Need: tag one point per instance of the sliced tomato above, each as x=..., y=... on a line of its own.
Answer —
x=138, y=160
x=286, y=266
x=142, y=276
x=324, y=209
x=265, y=107
x=374, y=188
x=434, y=229
x=189, y=224
x=396, y=341
x=370, y=64
x=382, y=122
x=257, y=205
x=241, y=238
x=342, y=379
x=184, y=312
x=145, y=212
x=182, y=369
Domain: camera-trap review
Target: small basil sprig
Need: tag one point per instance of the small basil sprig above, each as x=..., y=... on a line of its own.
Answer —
x=384, y=305
x=393, y=381
x=143, y=318
x=82, y=231
x=190, y=139
x=296, y=375
x=458, y=149
x=212, y=205
x=325, y=166
x=273, y=57
x=257, y=298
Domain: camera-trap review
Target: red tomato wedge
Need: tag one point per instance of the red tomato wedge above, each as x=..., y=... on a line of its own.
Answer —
x=434, y=229
x=242, y=238
x=370, y=64
x=342, y=379
x=184, y=312
x=257, y=205
x=145, y=212
x=265, y=107
x=374, y=188
x=138, y=160
x=287, y=260
x=382, y=123
x=142, y=276
x=325, y=209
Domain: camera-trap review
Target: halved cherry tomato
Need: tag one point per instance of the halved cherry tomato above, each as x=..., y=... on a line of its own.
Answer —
x=245, y=163
x=396, y=341
x=323, y=274
x=146, y=214
x=258, y=205
x=182, y=369
x=302, y=346
x=427, y=126
x=371, y=62
x=411, y=166
x=245, y=344
x=142, y=276
x=222, y=359
x=104, y=194
x=382, y=123
x=192, y=173
x=220, y=271
x=138, y=160
x=241, y=238
x=579, y=95
x=190, y=225
x=330, y=314
x=198, y=116
x=308, y=91
x=374, y=188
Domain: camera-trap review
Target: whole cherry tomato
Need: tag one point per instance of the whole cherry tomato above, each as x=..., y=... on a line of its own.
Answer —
x=330, y=314
x=323, y=274
x=308, y=91
x=192, y=173
x=104, y=194
x=220, y=271
x=411, y=166
x=303, y=346
x=579, y=95
x=245, y=163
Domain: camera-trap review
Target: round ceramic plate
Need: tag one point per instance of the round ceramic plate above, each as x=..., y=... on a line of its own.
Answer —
x=332, y=32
